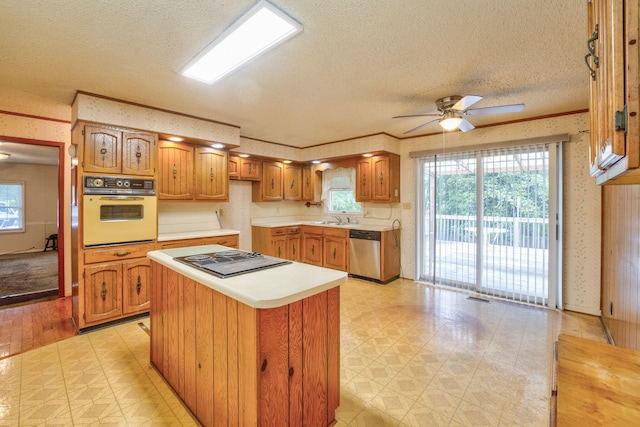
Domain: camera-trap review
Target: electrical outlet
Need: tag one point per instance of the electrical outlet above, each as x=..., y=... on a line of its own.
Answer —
x=406, y=205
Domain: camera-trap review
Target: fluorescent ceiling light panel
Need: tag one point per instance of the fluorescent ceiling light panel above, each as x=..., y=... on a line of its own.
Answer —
x=261, y=28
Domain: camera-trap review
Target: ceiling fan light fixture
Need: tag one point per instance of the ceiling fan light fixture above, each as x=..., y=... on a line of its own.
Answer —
x=450, y=121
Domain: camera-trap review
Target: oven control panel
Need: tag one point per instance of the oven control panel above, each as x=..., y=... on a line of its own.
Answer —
x=119, y=185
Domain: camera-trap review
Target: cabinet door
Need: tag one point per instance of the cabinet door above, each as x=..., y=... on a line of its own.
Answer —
x=135, y=289
x=272, y=181
x=175, y=172
x=293, y=247
x=212, y=180
x=138, y=154
x=608, y=86
x=250, y=169
x=380, y=178
x=279, y=246
x=292, y=182
x=308, y=187
x=312, y=248
x=273, y=360
x=363, y=180
x=233, y=169
x=102, y=150
x=335, y=253
x=103, y=292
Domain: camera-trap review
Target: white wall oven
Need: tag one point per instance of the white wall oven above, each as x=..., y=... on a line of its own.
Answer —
x=118, y=210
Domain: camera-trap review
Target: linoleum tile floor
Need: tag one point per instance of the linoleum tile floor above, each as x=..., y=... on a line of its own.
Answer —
x=411, y=355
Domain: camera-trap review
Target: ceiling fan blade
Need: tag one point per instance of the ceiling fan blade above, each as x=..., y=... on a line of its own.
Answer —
x=514, y=108
x=466, y=102
x=465, y=126
x=421, y=126
x=417, y=115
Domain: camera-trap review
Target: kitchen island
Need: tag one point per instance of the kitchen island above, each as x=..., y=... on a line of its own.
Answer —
x=261, y=348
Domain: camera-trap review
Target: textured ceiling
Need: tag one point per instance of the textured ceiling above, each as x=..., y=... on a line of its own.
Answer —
x=357, y=63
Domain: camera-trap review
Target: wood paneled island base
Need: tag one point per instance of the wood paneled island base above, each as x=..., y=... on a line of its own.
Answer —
x=235, y=365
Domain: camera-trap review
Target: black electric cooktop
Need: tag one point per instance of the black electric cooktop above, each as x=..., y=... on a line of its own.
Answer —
x=231, y=263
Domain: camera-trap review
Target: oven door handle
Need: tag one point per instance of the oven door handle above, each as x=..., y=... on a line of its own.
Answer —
x=121, y=198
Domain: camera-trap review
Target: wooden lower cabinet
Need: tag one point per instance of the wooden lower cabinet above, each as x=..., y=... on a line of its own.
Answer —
x=335, y=248
x=279, y=242
x=312, y=245
x=114, y=282
x=235, y=365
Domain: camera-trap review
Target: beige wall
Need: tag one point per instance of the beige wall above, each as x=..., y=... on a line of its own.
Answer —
x=41, y=206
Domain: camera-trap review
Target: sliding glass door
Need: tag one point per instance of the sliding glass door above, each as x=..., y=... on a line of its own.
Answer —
x=485, y=221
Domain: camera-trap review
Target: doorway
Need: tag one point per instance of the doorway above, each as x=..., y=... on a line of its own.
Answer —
x=32, y=243
x=488, y=222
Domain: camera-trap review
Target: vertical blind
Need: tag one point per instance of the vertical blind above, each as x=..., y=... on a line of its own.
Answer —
x=485, y=221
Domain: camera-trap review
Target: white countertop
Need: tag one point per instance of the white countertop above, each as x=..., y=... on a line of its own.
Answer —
x=370, y=227
x=269, y=288
x=163, y=237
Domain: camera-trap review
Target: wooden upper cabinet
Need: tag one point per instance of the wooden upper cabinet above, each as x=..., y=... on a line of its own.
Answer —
x=612, y=58
x=113, y=151
x=138, y=154
x=212, y=181
x=244, y=168
x=292, y=182
x=175, y=172
x=308, y=183
x=363, y=180
x=270, y=188
x=378, y=179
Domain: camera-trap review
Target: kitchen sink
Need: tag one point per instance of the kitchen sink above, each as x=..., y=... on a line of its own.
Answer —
x=332, y=223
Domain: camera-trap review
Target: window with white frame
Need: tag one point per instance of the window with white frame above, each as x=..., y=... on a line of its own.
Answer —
x=11, y=206
x=338, y=191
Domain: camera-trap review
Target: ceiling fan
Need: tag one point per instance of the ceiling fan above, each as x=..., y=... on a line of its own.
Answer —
x=452, y=110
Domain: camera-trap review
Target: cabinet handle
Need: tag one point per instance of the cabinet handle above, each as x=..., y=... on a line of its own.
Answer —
x=334, y=253
x=381, y=178
x=364, y=179
x=272, y=183
x=278, y=251
x=103, y=151
x=264, y=365
x=138, y=285
x=291, y=371
x=250, y=168
x=313, y=249
x=307, y=182
x=292, y=183
x=224, y=242
x=121, y=254
x=175, y=171
x=211, y=173
x=591, y=48
x=103, y=293
x=293, y=250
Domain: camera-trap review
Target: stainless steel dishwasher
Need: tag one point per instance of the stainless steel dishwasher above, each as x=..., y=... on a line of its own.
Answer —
x=364, y=254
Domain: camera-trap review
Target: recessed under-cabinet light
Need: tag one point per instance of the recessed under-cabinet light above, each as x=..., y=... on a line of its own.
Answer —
x=244, y=155
x=176, y=139
x=217, y=145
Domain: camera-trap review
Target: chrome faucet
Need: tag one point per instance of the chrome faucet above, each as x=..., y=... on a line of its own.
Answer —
x=338, y=218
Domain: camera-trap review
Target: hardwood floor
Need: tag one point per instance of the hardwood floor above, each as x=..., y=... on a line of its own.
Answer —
x=28, y=326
